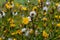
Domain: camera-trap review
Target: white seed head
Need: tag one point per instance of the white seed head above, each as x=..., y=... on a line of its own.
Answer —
x=32, y=13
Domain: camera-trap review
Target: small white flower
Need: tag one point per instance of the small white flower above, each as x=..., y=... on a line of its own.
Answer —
x=3, y=13
x=9, y=38
x=23, y=30
x=15, y=13
x=29, y=18
x=28, y=1
x=12, y=4
x=32, y=13
x=27, y=33
x=47, y=3
x=45, y=8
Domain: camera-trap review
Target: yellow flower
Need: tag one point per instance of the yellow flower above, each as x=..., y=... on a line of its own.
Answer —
x=34, y=8
x=57, y=30
x=24, y=8
x=11, y=20
x=44, y=24
x=59, y=17
x=44, y=19
x=44, y=13
x=59, y=36
x=17, y=4
x=19, y=32
x=25, y=20
x=14, y=10
x=7, y=6
x=57, y=4
x=12, y=25
x=13, y=33
x=14, y=39
x=56, y=16
x=58, y=25
x=39, y=1
x=45, y=35
x=31, y=31
x=0, y=38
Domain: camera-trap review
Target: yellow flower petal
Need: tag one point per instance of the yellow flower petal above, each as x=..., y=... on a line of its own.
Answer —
x=45, y=34
x=26, y=20
x=58, y=25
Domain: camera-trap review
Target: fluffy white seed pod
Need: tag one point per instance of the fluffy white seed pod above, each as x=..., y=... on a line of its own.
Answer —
x=14, y=13
x=2, y=14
